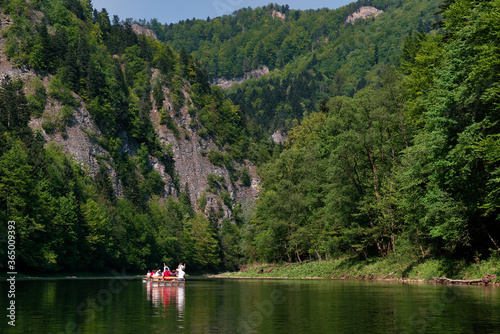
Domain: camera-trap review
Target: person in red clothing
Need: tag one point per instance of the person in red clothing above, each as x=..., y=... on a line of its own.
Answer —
x=166, y=270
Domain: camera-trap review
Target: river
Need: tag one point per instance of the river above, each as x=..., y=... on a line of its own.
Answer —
x=205, y=305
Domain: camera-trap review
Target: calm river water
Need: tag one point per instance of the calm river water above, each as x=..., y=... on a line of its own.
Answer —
x=250, y=306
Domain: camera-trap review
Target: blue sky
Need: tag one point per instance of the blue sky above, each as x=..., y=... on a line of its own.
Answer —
x=172, y=11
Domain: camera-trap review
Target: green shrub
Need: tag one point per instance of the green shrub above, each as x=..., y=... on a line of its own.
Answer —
x=49, y=125
x=216, y=158
x=202, y=202
x=158, y=94
x=192, y=111
x=226, y=198
x=38, y=100
x=216, y=183
x=59, y=122
x=203, y=133
x=172, y=126
x=62, y=93
x=246, y=179
x=65, y=115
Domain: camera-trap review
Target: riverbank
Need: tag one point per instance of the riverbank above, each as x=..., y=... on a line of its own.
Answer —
x=76, y=275
x=378, y=269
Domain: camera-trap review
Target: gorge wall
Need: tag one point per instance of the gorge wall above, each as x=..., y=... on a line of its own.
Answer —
x=80, y=140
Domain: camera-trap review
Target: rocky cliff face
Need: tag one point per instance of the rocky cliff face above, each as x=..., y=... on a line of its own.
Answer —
x=192, y=163
x=279, y=137
x=80, y=140
x=363, y=13
x=254, y=74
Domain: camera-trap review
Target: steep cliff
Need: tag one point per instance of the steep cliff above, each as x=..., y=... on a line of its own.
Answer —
x=191, y=160
x=80, y=137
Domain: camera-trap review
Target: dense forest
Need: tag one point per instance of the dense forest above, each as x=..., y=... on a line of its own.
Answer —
x=393, y=142
x=408, y=165
x=312, y=54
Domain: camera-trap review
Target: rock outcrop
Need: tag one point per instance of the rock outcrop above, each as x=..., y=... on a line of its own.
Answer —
x=77, y=141
x=255, y=74
x=363, y=13
x=275, y=13
x=139, y=30
x=279, y=137
x=192, y=163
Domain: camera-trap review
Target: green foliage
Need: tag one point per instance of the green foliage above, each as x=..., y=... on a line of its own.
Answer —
x=413, y=158
x=390, y=267
x=316, y=52
x=172, y=126
x=229, y=243
x=202, y=202
x=14, y=111
x=154, y=183
x=104, y=185
x=401, y=163
x=176, y=95
x=215, y=157
x=59, y=91
x=16, y=181
x=246, y=179
x=158, y=94
x=38, y=100
x=450, y=186
x=216, y=183
x=59, y=122
x=200, y=244
x=226, y=198
x=66, y=219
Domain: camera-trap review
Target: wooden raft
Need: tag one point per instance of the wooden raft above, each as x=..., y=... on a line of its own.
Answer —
x=165, y=279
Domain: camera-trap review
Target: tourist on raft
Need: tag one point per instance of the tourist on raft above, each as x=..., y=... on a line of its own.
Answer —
x=181, y=272
x=166, y=271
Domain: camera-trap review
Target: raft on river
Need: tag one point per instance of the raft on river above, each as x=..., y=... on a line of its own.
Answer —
x=165, y=279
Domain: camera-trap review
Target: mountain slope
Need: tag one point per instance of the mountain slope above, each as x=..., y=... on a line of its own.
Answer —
x=310, y=54
x=151, y=174
x=405, y=169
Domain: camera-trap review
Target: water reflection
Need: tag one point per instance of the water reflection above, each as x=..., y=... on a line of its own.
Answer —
x=180, y=301
x=166, y=296
x=253, y=306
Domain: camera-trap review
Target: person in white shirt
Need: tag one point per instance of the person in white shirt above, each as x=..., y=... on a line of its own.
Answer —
x=181, y=272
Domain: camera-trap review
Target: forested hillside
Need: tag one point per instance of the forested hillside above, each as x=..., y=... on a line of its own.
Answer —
x=116, y=152
x=312, y=54
x=406, y=167
x=155, y=165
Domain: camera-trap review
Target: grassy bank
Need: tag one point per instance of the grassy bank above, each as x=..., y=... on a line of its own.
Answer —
x=379, y=268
